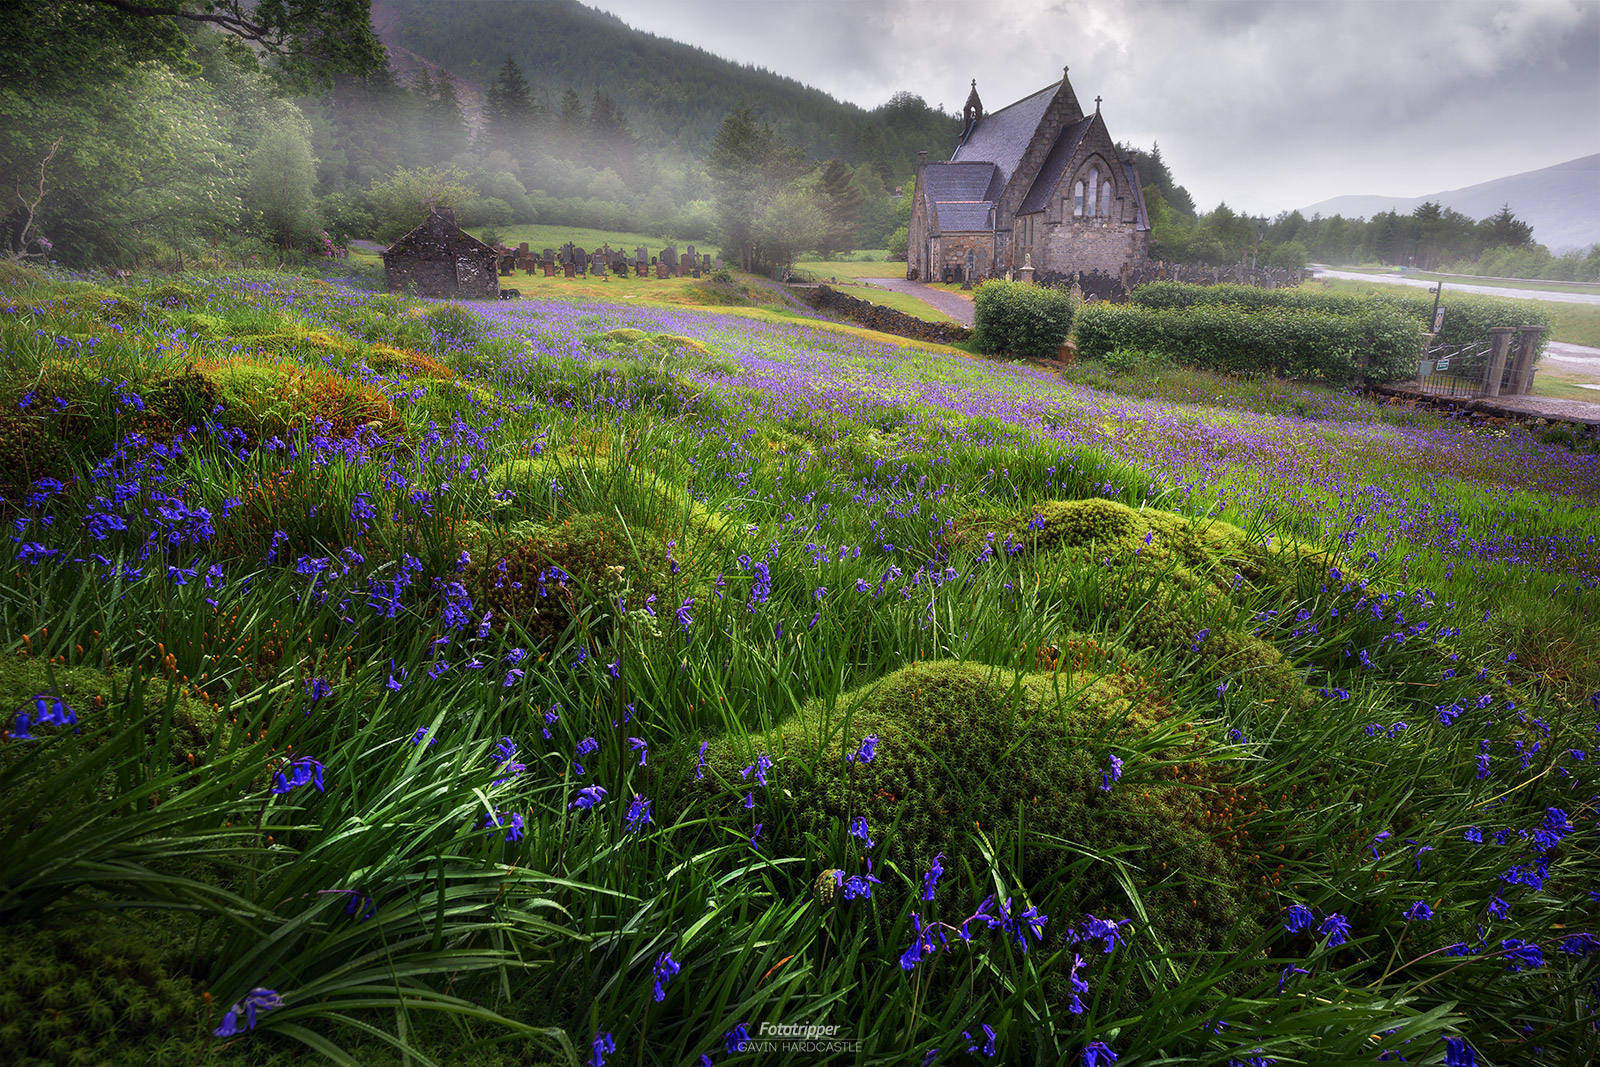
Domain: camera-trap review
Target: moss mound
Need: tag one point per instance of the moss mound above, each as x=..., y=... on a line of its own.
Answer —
x=576, y=571
x=646, y=500
x=1189, y=588
x=966, y=749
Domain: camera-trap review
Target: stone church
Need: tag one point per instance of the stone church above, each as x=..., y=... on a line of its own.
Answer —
x=1036, y=183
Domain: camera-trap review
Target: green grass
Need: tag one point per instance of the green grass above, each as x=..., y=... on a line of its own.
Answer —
x=540, y=237
x=1591, y=288
x=1179, y=650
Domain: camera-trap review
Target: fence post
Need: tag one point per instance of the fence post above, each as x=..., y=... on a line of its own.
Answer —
x=1422, y=359
x=1497, y=359
x=1528, y=342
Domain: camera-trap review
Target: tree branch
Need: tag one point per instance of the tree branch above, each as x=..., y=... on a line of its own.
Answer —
x=231, y=18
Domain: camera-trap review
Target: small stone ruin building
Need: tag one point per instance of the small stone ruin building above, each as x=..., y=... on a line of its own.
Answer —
x=1037, y=183
x=438, y=260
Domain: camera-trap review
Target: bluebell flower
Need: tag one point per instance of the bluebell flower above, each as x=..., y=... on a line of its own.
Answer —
x=736, y=1039
x=1520, y=954
x=638, y=817
x=1474, y=835
x=930, y=881
x=858, y=828
x=301, y=771
x=1419, y=912
x=867, y=752
x=638, y=745
x=602, y=1045
x=1457, y=1053
x=1337, y=929
x=663, y=971
x=588, y=797
x=700, y=764
x=257, y=1001
x=1300, y=918
x=1098, y=1054
x=1111, y=775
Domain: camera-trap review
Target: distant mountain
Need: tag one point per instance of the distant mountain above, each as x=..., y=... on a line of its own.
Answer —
x=1561, y=203
x=671, y=93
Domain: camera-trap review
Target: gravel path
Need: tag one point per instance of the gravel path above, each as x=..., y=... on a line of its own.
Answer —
x=955, y=305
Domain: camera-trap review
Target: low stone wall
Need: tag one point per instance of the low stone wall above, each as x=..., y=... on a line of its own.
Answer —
x=886, y=320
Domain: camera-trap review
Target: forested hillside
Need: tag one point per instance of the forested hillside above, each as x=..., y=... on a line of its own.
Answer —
x=672, y=93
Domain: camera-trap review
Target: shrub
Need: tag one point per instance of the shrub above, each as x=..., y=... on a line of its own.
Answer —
x=1467, y=318
x=1259, y=339
x=1019, y=319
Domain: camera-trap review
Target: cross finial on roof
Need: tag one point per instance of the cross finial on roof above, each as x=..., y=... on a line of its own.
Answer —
x=1097, y=105
x=1064, y=69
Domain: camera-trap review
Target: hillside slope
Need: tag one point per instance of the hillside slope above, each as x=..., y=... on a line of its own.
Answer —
x=672, y=93
x=1561, y=203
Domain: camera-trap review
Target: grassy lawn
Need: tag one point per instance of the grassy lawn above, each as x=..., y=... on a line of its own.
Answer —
x=540, y=237
x=1463, y=279
x=598, y=675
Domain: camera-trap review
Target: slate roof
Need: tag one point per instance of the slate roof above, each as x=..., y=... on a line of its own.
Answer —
x=958, y=181
x=965, y=216
x=963, y=194
x=439, y=225
x=1002, y=137
x=1055, y=164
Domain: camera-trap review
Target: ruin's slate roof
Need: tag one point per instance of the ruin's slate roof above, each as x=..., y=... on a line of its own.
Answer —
x=966, y=216
x=1002, y=137
x=417, y=234
x=1055, y=164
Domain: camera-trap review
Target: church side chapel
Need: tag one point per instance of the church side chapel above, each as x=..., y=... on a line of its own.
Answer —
x=1037, y=184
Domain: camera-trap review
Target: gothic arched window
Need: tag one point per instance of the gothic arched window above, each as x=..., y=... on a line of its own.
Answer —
x=1077, y=199
x=1105, y=199
x=1094, y=185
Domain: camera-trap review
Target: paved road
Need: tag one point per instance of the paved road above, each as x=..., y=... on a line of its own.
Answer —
x=955, y=305
x=1460, y=287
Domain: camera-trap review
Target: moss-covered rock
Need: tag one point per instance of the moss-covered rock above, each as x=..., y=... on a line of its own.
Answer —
x=967, y=750
x=1179, y=578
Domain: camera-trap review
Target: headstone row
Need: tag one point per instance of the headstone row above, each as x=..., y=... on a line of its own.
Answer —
x=571, y=261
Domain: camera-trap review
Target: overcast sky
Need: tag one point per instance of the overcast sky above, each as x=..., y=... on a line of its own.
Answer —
x=1267, y=104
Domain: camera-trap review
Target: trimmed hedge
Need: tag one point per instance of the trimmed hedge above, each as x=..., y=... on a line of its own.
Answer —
x=1019, y=319
x=1287, y=341
x=1467, y=318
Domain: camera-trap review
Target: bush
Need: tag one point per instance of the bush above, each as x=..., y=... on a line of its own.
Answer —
x=1466, y=319
x=1294, y=342
x=1020, y=319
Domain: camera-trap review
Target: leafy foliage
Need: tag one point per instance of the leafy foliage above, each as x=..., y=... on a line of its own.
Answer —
x=1020, y=319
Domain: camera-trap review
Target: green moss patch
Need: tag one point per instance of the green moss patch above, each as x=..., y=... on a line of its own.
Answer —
x=968, y=753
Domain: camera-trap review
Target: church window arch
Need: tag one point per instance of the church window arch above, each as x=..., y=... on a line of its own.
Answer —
x=1094, y=186
x=1077, y=199
x=1105, y=199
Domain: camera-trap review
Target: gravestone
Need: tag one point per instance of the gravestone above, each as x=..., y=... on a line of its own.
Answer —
x=641, y=262
x=716, y=264
x=597, y=263
x=705, y=263
x=569, y=268
x=661, y=269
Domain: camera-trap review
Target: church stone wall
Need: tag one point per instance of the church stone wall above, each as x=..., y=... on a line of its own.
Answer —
x=1102, y=244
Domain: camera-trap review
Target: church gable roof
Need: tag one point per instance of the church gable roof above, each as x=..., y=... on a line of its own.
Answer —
x=1002, y=137
x=962, y=195
x=958, y=181
x=1054, y=166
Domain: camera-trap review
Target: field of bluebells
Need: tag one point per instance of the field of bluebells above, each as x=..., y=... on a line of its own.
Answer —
x=398, y=682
